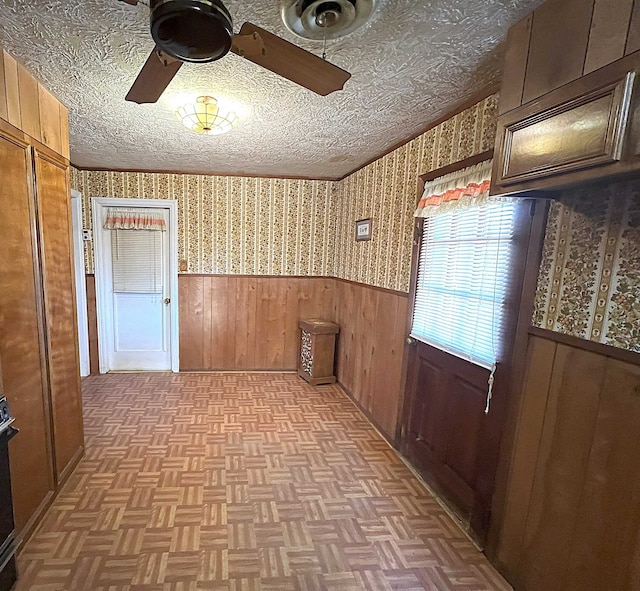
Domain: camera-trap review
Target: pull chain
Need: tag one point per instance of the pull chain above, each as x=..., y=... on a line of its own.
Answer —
x=490, y=390
x=324, y=43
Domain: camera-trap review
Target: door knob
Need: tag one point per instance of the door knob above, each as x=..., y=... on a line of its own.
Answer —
x=167, y=301
x=411, y=341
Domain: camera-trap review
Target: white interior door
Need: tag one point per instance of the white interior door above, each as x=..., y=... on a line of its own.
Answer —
x=135, y=276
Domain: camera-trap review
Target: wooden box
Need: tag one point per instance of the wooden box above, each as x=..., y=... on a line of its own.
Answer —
x=317, y=351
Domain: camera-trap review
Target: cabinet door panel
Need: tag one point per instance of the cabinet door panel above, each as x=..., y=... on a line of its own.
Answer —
x=58, y=279
x=21, y=338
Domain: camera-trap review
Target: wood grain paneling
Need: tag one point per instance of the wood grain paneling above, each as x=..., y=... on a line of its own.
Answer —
x=541, y=353
x=20, y=337
x=515, y=65
x=92, y=322
x=239, y=322
x=50, y=128
x=29, y=103
x=607, y=37
x=633, y=37
x=574, y=473
x=64, y=131
x=60, y=311
x=370, y=349
x=4, y=114
x=610, y=506
x=13, y=90
x=560, y=28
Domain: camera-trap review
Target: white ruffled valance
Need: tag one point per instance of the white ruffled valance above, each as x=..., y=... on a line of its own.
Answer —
x=463, y=188
x=118, y=218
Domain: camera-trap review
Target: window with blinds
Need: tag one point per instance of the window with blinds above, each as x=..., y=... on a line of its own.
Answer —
x=463, y=275
x=136, y=261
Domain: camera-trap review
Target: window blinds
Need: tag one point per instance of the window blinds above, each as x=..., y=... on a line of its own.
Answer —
x=463, y=275
x=136, y=260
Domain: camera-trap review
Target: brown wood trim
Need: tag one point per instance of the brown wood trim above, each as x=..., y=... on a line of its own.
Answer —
x=34, y=521
x=256, y=276
x=48, y=154
x=395, y=292
x=13, y=132
x=586, y=345
x=208, y=173
x=456, y=166
x=480, y=96
x=518, y=372
x=233, y=275
x=70, y=467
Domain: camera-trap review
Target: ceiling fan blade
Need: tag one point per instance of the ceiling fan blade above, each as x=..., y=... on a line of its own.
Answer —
x=131, y=2
x=157, y=72
x=289, y=60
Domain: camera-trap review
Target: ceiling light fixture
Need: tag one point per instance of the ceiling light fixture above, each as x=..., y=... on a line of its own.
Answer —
x=206, y=116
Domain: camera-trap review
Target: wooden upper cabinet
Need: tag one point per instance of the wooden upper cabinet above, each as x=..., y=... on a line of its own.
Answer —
x=30, y=107
x=569, y=96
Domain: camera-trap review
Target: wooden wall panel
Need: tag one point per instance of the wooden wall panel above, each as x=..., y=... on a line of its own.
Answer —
x=92, y=321
x=13, y=90
x=515, y=65
x=633, y=37
x=4, y=113
x=29, y=99
x=541, y=354
x=50, y=128
x=21, y=340
x=607, y=37
x=610, y=509
x=370, y=349
x=64, y=131
x=573, y=511
x=54, y=214
x=234, y=323
x=562, y=460
x=551, y=36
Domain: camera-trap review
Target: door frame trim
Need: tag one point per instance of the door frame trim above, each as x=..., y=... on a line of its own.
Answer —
x=81, y=282
x=98, y=205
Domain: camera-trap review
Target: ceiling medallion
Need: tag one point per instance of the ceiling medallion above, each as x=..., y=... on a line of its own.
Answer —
x=206, y=116
x=326, y=19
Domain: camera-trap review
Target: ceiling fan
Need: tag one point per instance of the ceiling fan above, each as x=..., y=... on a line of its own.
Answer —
x=202, y=31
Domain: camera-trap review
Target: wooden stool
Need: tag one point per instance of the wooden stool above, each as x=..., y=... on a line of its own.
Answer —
x=317, y=351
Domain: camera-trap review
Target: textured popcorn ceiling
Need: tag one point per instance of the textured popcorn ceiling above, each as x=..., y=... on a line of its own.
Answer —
x=412, y=63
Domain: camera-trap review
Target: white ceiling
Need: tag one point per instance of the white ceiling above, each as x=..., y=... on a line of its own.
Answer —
x=412, y=63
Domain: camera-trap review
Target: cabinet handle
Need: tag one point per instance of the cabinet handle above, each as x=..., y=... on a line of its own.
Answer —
x=167, y=301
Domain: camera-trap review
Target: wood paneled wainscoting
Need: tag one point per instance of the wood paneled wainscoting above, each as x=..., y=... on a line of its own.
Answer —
x=572, y=513
x=235, y=322
x=370, y=348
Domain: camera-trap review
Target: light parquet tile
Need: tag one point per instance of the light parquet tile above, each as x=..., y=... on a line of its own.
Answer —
x=241, y=482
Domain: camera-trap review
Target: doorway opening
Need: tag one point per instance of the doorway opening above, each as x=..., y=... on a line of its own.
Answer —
x=136, y=273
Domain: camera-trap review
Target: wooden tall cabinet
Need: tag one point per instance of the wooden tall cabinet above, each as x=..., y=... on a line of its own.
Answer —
x=38, y=331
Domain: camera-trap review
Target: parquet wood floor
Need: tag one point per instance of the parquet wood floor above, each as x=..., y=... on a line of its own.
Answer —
x=241, y=482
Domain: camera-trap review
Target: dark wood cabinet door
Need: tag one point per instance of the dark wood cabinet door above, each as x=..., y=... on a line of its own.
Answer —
x=60, y=311
x=21, y=342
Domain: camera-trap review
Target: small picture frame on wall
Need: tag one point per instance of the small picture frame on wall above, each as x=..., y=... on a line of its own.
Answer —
x=363, y=229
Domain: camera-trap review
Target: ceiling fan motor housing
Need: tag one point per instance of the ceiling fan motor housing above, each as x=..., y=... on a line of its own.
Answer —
x=192, y=30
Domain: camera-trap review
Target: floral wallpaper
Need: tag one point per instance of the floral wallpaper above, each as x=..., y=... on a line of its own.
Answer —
x=229, y=225
x=260, y=226
x=589, y=281
x=386, y=191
